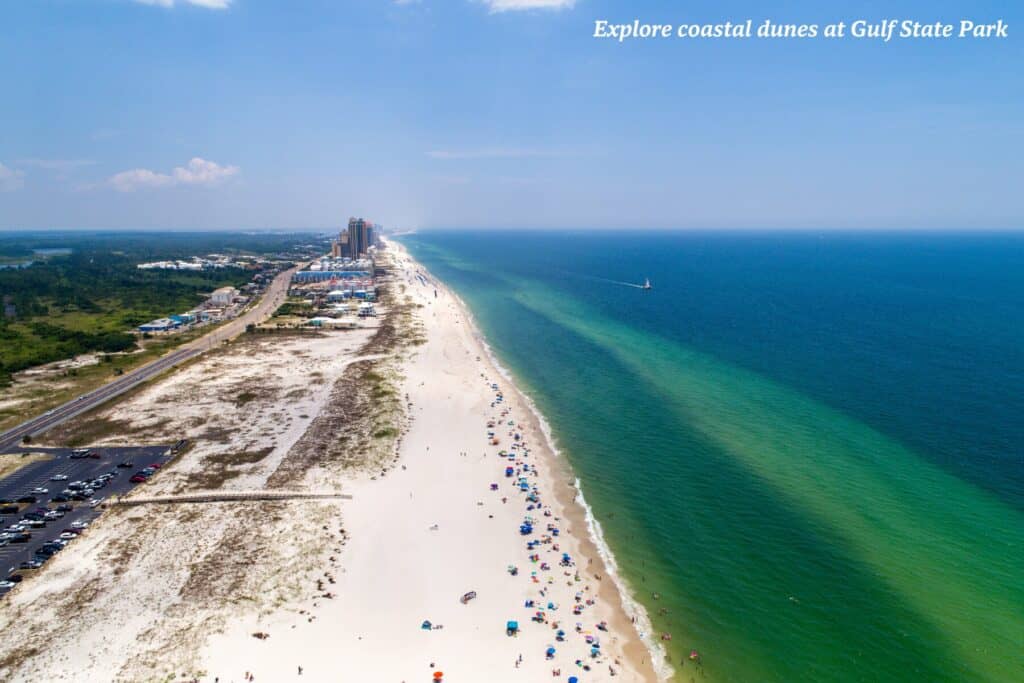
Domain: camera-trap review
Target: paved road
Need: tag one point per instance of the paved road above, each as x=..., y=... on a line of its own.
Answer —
x=272, y=298
x=86, y=469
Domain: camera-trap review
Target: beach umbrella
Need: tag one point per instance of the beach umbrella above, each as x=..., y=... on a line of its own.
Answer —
x=573, y=679
x=438, y=675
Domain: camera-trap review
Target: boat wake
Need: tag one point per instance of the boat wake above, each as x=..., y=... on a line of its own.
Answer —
x=621, y=283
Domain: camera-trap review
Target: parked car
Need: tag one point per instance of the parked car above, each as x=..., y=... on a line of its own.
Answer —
x=30, y=564
x=28, y=499
x=67, y=536
x=39, y=490
x=94, y=455
x=137, y=479
x=59, y=498
x=79, y=525
x=65, y=508
x=59, y=477
x=7, y=585
x=8, y=509
x=156, y=466
x=126, y=464
x=76, y=496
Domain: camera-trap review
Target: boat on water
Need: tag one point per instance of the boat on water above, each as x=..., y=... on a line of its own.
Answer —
x=646, y=284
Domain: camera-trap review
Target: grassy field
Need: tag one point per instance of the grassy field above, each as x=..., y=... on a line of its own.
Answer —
x=36, y=395
x=89, y=297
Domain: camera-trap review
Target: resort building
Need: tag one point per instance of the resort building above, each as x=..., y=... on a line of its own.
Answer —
x=223, y=296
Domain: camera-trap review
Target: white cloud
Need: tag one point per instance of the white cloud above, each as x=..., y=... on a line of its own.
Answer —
x=209, y=4
x=516, y=5
x=196, y=172
x=11, y=179
x=203, y=172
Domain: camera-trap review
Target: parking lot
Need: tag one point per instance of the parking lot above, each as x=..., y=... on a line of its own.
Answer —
x=65, y=469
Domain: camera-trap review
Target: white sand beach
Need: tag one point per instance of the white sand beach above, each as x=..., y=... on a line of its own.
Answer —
x=432, y=531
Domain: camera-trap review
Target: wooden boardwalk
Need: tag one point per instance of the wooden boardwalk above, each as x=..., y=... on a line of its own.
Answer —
x=228, y=497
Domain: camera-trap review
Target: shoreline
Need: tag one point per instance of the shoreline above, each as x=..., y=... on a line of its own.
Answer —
x=629, y=615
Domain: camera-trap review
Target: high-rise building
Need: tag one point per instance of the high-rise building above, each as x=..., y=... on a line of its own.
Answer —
x=358, y=236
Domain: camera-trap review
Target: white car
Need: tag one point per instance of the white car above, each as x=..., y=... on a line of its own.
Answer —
x=79, y=525
x=40, y=489
x=7, y=584
x=68, y=536
x=59, y=477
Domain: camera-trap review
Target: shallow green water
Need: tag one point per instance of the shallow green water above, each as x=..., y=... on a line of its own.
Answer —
x=817, y=487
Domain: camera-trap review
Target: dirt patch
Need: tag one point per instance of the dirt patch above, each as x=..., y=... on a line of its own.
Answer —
x=78, y=432
x=219, y=468
x=12, y=462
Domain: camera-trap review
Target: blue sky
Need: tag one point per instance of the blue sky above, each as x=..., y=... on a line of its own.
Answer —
x=476, y=113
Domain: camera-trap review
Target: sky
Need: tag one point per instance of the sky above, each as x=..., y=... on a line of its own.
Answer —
x=228, y=114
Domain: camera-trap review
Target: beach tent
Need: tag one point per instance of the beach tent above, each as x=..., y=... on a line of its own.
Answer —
x=511, y=628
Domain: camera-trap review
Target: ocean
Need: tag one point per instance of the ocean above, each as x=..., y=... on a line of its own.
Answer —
x=806, y=450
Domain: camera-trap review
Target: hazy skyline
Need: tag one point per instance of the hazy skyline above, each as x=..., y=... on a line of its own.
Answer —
x=209, y=114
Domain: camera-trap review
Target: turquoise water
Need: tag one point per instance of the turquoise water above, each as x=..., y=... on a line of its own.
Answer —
x=810, y=447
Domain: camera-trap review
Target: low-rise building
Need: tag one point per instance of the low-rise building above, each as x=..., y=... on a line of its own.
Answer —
x=161, y=325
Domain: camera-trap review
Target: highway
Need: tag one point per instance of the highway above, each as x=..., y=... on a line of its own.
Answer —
x=273, y=297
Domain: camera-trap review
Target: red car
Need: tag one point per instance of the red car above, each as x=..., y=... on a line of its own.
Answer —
x=137, y=479
x=156, y=466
